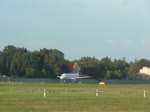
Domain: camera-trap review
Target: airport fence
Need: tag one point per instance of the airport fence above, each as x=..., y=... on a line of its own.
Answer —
x=89, y=81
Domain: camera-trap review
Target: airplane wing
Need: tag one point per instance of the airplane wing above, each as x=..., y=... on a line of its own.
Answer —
x=83, y=77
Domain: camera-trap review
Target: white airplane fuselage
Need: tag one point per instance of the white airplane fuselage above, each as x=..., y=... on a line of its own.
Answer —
x=65, y=77
x=69, y=76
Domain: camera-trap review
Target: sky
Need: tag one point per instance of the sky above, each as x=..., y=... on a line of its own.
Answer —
x=78, y=28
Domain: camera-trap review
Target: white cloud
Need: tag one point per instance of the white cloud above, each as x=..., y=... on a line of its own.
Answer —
x=115, y=42
x=145, y=43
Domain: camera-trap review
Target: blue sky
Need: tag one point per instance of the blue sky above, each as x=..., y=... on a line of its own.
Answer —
x=78, y=28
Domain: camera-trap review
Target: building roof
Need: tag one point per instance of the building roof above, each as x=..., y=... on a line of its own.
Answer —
x=144, y=71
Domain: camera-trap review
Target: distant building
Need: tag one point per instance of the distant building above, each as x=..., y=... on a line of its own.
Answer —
x=144, y=73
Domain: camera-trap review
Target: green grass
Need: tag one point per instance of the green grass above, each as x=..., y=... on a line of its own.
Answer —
x=15, y=97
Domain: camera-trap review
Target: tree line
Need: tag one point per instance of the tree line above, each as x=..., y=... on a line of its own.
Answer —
x=49, y=63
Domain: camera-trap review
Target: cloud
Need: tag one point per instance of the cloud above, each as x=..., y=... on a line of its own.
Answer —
x=123, y=42
x=145, y=43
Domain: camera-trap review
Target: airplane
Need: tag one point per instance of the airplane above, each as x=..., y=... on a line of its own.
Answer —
x=66, y=77
x=74, y=76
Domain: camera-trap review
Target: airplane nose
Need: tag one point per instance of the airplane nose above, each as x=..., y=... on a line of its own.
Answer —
x=61, y=77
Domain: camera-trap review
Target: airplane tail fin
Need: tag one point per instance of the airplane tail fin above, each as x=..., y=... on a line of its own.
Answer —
x=76, y=68
x=72, y=68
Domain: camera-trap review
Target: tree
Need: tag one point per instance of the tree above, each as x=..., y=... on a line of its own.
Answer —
x=107, y=65
x=2, y=69
x=8, y=51
x=136, y=66
x=90, y=66
x=52, y=61
x=122, y=66
x=49, y=63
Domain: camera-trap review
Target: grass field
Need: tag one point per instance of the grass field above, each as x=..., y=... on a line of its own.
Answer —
x=28, y=97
